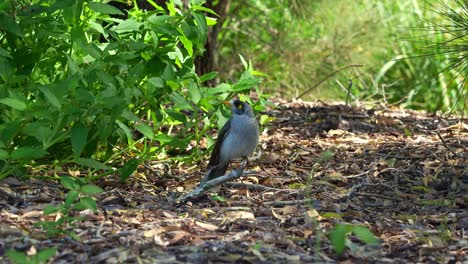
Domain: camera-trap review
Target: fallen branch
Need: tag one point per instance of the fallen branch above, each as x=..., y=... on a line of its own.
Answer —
x=205, y=186
x=449, y=149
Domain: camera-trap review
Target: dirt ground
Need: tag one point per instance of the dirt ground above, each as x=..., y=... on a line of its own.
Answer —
x=403, y=174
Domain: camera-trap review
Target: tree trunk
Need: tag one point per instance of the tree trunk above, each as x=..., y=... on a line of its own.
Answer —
x=208, y=61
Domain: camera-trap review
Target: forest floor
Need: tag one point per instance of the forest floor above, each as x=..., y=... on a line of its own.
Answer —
x=402, y=174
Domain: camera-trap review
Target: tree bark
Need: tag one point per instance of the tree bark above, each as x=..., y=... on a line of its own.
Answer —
x=208, y=61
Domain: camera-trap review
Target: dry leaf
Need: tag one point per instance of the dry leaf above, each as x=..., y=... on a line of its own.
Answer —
x=32, y=214
x=277, y=216
x=74, y=173
x=239, y=215
x=207, y=226
x=308, y=232
x=288, y=210
x=311, y=216
x=334, y=176
x=31, y=251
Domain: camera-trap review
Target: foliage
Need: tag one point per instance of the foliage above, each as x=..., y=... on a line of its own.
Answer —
x=41, y=257
x=77, y=83
x=298, y=43
x=77, y=199
x=428, y=63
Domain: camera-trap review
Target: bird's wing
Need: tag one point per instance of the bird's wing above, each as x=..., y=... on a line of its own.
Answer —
x=216, y=155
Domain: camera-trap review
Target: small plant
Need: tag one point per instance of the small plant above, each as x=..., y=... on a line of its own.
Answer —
x=76, y=199
x=339, y=236
x=42, y=256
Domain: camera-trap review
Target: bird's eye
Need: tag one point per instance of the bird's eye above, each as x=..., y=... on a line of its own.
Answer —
x=239, y=106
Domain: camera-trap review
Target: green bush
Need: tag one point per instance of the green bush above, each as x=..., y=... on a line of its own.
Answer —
x=75, y=82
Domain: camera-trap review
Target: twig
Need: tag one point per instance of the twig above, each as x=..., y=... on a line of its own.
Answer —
x=368, y=171
x=377, y=196
x=256, y=187
x=354, y=188
x=448, y=148
x=326, y=78
x=291, y=202
x=205, y=186
x=350, y=85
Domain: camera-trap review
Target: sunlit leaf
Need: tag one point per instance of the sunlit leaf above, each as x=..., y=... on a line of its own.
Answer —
x=338, y=237
x=365, y=235
x=146, y=130
x=69, y=183
x=91, y=189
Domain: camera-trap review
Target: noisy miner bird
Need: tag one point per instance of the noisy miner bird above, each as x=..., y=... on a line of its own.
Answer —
x=237, y=139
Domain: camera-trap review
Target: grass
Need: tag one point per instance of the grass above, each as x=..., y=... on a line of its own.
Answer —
x=299, y=43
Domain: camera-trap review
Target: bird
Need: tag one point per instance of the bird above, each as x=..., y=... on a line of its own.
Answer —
x=237, y=139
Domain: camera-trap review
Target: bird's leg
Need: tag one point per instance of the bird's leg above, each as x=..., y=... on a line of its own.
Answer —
x=242, y=165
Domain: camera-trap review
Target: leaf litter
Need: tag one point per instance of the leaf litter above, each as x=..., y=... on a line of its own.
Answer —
x=384, y=168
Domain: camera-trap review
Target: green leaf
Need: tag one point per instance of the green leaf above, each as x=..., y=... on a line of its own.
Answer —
x=365, y=235
x=39, y=130
x=130, y=116
x=218, y=198
x=17, y=257
x=181, y=117
x=221, y=88
x=4, y=154
x=338, y=237
x=46, y=254
x=91, y=189
x=86, y=203
x=202, y=8
x=5, y=53
x=187, y=44
x=14, y=103
x=104, y=8
x=194, y=92
x=9, y=24
x=91, y=163
x=78, y=138
x=202, y=27
x=157, y=82
x=208, y=76
x=163, y=138
x=180, y=101
x=28, y=153
x=146, y=130
x=50, y=96
x=128, y=169
x=245, y=84
x=71, y=197
x=265, y=119
x=244, y=62
x=126, y=130
x=51, y=209
x=128, y=25
x=69, y=183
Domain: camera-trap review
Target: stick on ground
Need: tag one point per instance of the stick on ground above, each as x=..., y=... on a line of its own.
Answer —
x=205, y=186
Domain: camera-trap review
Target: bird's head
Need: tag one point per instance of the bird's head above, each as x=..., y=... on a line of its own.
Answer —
x=239, y=107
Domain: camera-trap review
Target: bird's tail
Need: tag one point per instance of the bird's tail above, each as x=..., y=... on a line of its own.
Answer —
x=215, y=172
